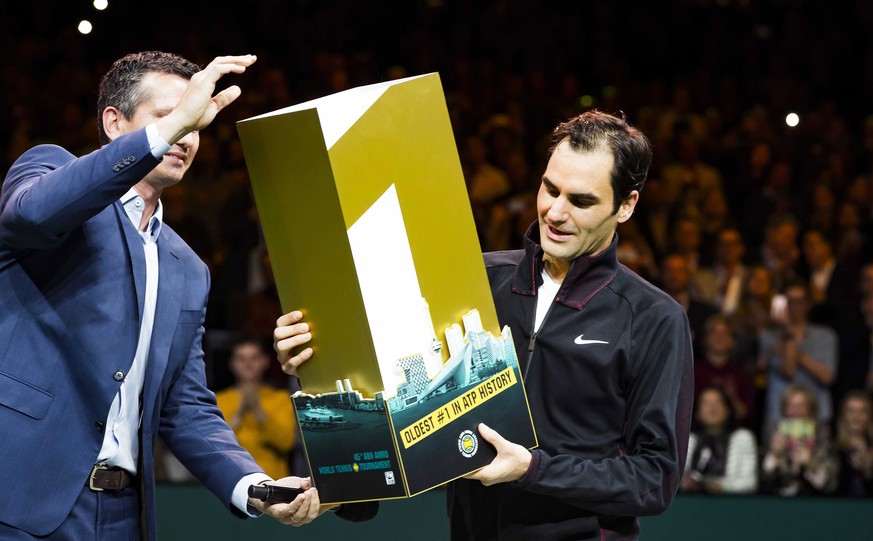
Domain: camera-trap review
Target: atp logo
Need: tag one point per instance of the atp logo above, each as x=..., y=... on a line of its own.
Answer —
x=468, y=443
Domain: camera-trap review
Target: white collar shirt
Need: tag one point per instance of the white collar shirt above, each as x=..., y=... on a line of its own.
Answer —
x=120, y=440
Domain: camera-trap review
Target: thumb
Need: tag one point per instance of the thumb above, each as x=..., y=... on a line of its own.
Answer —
x=491, y=436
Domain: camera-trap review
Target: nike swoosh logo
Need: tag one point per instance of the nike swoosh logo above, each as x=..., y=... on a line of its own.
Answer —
x=582, y=342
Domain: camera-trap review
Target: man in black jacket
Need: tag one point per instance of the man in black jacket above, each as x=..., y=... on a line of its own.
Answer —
x=606, y=359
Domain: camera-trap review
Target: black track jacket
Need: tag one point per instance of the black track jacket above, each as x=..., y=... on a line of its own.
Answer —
x=609, y=379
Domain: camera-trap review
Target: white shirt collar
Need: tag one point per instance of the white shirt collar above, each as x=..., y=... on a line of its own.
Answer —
x=133, y=205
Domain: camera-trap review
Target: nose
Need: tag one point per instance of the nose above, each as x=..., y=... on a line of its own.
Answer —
x=188, y=140
x=557, y=210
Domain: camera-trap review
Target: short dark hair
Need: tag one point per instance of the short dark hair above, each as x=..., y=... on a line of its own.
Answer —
x=731, y=422
x=249, y=341
x=714, y=320
x=822, y=234
x=631, y=149
x=120, y=87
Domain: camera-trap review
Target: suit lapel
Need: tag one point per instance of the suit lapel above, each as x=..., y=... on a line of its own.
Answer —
x=170, y=285
x=136, y=256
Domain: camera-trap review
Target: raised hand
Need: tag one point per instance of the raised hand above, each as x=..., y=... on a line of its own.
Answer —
x=197, y=107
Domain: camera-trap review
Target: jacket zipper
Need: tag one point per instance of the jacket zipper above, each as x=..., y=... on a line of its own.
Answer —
x=533, y=337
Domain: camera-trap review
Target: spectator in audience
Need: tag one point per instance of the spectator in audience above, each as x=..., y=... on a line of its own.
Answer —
x=261, y=416
x=851, y=244
x=686, y=239
x=855, y=344
x=722, y=459
x=714, y=217
x=854, y=444
x=772, y=207
x=509, y=216
x=486, y=183
x=688, y=180
x=755, y=162
x=821, y=208
x=756, y=310
x=832, y=285
x=679, y=116
x=780, y=253
x=716, y=368
x=721, y=284
x=798, y=460
x=754, y=315
x=798, y=352
x=633, y=252
x=676, y=281
x=654, y=217
x=865, y=280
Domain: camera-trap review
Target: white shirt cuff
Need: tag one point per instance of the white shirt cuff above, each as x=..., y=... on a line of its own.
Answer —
x=240, y=496
x=157, y=145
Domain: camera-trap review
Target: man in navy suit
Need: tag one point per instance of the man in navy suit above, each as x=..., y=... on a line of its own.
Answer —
x=101, y=314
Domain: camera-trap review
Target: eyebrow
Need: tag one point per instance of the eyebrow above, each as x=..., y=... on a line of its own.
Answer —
x=575, y=198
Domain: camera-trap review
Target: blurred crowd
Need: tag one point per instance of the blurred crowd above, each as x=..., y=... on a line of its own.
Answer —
x=761, y=230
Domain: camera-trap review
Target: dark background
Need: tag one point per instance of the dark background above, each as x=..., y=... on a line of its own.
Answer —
x=724, y=72
x=727, y=71
x=785, y=55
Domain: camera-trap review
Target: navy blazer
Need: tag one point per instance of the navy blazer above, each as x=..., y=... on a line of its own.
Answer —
x=72, y=287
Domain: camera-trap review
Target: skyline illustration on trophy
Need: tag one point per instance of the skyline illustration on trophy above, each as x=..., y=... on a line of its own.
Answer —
x=474, y=356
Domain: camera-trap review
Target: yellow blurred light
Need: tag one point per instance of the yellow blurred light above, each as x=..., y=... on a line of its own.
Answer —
x=101, y=4
x=85, y=27
x=792, y=119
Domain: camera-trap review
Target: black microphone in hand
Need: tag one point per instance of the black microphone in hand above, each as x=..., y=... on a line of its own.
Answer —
x=274, y=493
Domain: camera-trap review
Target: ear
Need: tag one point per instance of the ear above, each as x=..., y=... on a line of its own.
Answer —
x=114, y=122
x=626, y=209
